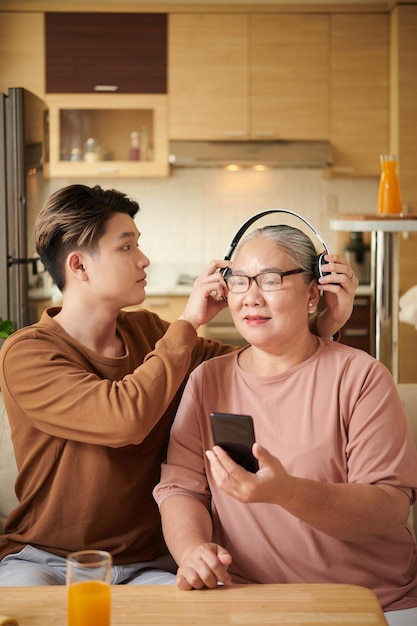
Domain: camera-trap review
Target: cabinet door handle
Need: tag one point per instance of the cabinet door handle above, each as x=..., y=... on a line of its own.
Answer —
x=235, y=133
x=221, y=331
x=356, y=332
x=265, y=133
x=107, y=170
x=343, y=170
x=361, y=302
x=106, y=88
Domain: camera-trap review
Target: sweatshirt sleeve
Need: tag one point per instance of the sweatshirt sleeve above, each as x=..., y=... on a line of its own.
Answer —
x=49, y=381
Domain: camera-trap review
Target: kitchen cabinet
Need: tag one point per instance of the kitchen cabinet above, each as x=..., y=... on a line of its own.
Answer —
x=288, y=76
x=168, y=307
x=90, y=52
x=208, y=76
x=359, y=92
x=358, y=331
x=222, y=328
x=108, y=121
x=37, y=307
x=251, y=76
x=283, y=76
x=22, y=51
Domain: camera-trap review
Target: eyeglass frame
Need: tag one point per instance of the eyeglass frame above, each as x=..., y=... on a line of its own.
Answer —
x=299, y=270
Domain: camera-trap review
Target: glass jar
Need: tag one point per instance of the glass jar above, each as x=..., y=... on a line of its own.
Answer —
x=76, y=154
x=92, y=150
x=389, y=195
x=134, y=151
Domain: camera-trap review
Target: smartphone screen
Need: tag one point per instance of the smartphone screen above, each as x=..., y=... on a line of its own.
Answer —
x=235, y=434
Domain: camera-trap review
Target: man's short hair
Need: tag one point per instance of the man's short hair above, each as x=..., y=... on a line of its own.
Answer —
x=74, y=218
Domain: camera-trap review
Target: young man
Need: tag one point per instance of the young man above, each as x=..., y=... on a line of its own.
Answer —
x=91, y=392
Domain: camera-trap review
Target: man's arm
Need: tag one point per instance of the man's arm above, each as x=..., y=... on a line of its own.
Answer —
x=339, y=289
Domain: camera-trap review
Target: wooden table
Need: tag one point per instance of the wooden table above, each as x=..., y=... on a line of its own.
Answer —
x=295, y=605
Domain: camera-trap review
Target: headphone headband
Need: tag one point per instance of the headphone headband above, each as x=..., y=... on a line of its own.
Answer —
x=241, y=231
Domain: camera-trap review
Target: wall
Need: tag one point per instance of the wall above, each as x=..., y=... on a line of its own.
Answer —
x=190, y=217
x=403, y=131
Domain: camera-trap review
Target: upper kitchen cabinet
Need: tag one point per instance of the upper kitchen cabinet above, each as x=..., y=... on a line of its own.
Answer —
x=94, y=132
x=208, y=76
x=248, y=76
x=22, y=51
x=91, y=135
x=116, y=52
x=288, y=76
x=359, y=92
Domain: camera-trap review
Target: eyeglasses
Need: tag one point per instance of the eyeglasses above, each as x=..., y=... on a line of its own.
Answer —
x=267, y=281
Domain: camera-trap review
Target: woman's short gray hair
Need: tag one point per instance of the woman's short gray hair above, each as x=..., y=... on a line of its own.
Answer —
x=293, y=242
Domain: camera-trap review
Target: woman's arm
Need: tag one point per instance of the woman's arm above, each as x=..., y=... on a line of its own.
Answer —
x=348, y=511
x=187, y=528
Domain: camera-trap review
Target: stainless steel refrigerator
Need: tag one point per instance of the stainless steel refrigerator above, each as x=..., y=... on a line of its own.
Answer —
x=23, y=142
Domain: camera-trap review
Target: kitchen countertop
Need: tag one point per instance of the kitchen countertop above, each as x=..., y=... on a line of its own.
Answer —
x=171, y=279
x=184, y=290
x=368, y=223
x=163, y=280
x=164, y=291
x=167, y=291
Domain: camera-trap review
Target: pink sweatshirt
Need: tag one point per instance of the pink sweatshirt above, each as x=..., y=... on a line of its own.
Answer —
x=336, y=418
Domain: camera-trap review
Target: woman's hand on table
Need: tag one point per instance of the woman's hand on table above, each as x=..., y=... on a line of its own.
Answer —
x=205, y=566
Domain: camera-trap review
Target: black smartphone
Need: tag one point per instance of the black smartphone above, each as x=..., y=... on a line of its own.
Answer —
x=235, y=434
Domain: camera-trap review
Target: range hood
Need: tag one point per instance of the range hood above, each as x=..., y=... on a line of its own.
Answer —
x=294, y=154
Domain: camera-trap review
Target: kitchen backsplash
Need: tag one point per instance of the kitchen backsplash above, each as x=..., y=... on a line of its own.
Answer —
x=189, y=218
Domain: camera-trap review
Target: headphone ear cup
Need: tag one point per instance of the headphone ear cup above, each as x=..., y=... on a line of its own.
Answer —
x=320, y=262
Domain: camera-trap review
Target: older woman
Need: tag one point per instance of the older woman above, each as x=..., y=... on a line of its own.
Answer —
x=337, y=462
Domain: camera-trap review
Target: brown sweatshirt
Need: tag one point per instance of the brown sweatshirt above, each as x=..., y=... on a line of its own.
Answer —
x=90, y=433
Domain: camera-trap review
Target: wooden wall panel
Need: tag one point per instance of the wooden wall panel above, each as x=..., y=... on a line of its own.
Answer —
x=22, y=52
x=404, y=142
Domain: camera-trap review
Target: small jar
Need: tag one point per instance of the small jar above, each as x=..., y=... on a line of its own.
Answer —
x=92, y=150
x=76, y=154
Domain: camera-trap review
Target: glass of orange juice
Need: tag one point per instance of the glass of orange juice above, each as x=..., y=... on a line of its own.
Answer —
x=88, y=583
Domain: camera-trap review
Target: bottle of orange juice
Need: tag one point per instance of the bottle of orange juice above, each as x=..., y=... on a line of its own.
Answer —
x=389, y=195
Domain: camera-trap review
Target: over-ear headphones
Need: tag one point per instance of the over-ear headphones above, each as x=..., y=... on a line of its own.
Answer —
x=246, y=225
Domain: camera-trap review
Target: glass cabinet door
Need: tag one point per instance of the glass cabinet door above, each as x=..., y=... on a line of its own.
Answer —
x=107, y=135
